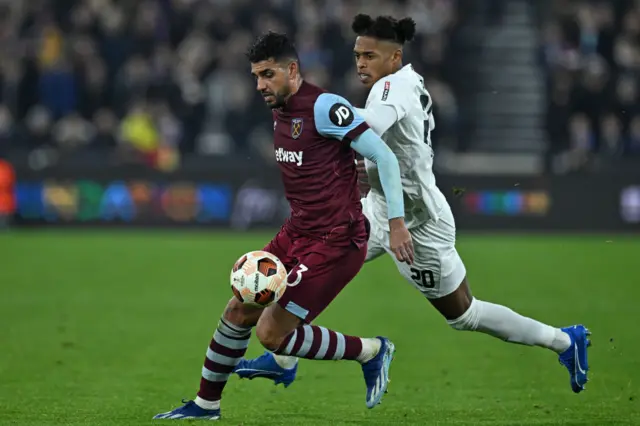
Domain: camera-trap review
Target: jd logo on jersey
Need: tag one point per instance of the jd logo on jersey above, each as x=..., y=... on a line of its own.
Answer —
x=341, y=115
x=296, y=128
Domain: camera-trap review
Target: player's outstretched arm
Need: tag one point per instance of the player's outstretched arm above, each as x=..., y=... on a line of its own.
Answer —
x=336, y=118
x=370, y=146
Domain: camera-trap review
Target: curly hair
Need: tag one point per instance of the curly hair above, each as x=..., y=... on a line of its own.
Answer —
x=384, y=28
x=272, y=45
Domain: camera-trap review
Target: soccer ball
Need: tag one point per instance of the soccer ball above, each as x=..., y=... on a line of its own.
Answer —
x=258, y=278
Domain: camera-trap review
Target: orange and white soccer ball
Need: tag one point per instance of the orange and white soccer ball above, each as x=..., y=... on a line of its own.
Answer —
x=258, y=278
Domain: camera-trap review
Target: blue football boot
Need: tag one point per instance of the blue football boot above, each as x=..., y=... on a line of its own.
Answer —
x=265, y=366
x=575, y=358
x=376, y=372
x=189, y=411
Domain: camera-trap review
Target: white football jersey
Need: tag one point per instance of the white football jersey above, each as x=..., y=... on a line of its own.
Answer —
x=410, y=140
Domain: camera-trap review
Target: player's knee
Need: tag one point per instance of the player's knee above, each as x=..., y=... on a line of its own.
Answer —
x=469, y=320
x=269, y=337
x=242, y=315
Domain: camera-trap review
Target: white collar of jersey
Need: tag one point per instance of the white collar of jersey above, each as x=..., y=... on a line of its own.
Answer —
x=407, y=69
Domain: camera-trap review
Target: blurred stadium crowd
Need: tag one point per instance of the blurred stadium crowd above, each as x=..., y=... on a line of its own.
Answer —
x=591, y=53
x=147, y=81
x=140, y=78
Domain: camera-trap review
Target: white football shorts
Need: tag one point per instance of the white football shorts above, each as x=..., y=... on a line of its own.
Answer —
x=437, y=269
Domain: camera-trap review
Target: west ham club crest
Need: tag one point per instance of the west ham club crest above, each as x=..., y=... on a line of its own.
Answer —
x=296, y=128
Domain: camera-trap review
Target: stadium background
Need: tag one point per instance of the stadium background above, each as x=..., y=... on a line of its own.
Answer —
x=142, y=114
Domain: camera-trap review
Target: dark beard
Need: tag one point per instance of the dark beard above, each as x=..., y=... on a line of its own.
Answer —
x=280, y=101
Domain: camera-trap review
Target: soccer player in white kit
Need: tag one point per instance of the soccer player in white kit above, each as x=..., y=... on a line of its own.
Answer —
x=399, y=109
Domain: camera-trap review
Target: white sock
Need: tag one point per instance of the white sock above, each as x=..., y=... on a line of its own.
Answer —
x=505, y=324
x=207, y=405
x=286, y=362
x=370, y=348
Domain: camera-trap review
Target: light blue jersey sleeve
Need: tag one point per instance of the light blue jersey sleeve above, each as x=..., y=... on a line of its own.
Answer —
x=335, y=118
x=370, y=146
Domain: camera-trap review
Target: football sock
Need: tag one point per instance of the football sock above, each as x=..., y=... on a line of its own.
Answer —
x=207, y=405
x=286, y=362
x=226, y=349
x=370, y=348
x=505, y=324
x=313, y=342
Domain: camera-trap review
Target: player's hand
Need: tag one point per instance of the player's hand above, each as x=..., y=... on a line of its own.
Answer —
x=400, y=240
x=363, y=179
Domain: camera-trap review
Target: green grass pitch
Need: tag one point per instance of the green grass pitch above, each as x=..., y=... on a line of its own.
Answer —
x=110, y=328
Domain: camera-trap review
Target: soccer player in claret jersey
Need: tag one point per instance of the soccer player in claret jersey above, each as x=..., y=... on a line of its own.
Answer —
x=399, y=108
x=323, y=244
